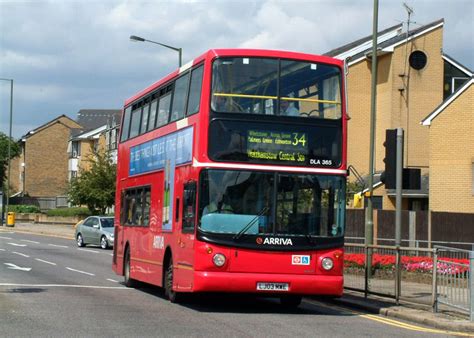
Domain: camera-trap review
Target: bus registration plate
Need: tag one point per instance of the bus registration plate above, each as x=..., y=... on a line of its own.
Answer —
x=272, y=286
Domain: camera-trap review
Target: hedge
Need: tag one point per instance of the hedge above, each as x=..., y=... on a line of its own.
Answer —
x=66, y=212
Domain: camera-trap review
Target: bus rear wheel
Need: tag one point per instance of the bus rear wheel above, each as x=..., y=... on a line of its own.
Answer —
x=291, y=301
x=173, y=296
x=129, y=282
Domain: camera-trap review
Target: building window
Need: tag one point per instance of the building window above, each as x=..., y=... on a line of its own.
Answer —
x=453, y=79
x=75, y=149
x=113, y=139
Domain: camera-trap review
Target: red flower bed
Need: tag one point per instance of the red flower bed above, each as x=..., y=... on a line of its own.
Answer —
x=409, y=263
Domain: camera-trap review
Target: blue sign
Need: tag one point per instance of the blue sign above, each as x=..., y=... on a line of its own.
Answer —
x=152, y=155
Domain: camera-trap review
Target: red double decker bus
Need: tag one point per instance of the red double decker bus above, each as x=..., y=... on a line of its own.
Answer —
x=231, y=177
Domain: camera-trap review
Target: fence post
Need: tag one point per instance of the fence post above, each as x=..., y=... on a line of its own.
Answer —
x=434, y=291
x=398, y=275
x=412, y=228
x=429, y=229
x=367, y=273
x=471, y=284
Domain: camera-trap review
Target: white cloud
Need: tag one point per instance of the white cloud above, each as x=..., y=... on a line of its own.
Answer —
x=11, y=60
x=280, y=30
x=40, y=93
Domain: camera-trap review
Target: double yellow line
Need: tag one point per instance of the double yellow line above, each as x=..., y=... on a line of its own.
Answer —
x=392, y=322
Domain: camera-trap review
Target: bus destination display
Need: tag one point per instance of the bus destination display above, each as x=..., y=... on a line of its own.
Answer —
x=277, y=146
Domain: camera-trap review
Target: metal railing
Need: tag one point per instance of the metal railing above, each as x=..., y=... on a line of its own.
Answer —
x=454, y=284
x=417, y=243
x=419, y=275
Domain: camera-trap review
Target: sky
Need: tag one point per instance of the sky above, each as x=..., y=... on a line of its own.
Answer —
x=69, y=55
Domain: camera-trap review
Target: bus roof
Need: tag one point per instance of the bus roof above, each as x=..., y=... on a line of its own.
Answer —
x=234, y=52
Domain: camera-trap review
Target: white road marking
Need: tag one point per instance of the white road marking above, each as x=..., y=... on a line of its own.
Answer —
x=15, y=267
x=3, y=250
x=66, y=286
x=40, y=260
x=6, y=238
x=14, y=244
x=21, y=254
x=112, y=280
x=58, y=246
x=85, y=273
x=26, y=240
x=87, y=250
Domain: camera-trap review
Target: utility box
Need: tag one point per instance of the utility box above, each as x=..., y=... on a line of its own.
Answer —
x=11, y=219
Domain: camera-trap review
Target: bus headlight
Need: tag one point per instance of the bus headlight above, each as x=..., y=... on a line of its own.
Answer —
x=327, y=263
x=219, y=260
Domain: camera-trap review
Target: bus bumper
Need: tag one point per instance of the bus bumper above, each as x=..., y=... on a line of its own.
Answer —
x=247, y=283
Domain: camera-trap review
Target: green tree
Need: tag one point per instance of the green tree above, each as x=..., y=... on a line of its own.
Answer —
x=14, y=152
x=95, y=187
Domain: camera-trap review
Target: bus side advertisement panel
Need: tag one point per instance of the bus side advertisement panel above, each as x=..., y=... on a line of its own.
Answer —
x=163, y=153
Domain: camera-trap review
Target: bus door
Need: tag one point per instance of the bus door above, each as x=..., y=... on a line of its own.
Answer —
x=186, y=216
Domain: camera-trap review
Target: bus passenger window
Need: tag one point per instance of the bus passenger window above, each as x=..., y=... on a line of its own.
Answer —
x=179, y=98
x=195, y=91
x=164, y=110
x=126, y=124
x=138, y=217
x=189, y=207
x=146, y=207
x=131, y=209
x=152, y=118
x=146, y=110
x=135, y=124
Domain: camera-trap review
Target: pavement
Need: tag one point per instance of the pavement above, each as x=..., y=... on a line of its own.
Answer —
x=445, y=319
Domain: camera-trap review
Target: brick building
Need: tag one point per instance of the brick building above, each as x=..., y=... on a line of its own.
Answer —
x=41, y=169
x=414, y=76
x=451, y=134
x=44, y=167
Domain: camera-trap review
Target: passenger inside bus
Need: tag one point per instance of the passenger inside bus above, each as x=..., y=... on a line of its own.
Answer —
x=288, y=109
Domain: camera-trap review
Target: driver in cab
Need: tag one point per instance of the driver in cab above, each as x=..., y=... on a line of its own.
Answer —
x=218, y=205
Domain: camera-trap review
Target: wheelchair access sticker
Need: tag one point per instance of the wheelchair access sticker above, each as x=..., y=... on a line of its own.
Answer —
x=299, y=260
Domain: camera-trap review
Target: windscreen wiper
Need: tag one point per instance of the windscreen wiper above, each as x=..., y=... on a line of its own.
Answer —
x=249, y=224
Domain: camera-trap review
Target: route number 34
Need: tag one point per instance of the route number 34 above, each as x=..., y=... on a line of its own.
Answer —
x=299, y=139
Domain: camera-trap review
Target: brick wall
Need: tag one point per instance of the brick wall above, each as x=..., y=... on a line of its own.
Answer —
x=452, y=156
x=394, y=107
x=46, y=159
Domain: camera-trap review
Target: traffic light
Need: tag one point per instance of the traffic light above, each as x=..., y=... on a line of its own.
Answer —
x=389, y=176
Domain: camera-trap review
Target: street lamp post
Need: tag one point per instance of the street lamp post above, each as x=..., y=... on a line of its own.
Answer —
x=139, y=39
x=9, y=139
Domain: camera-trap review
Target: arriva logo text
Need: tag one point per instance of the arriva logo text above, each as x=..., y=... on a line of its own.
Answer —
x=277, y=241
